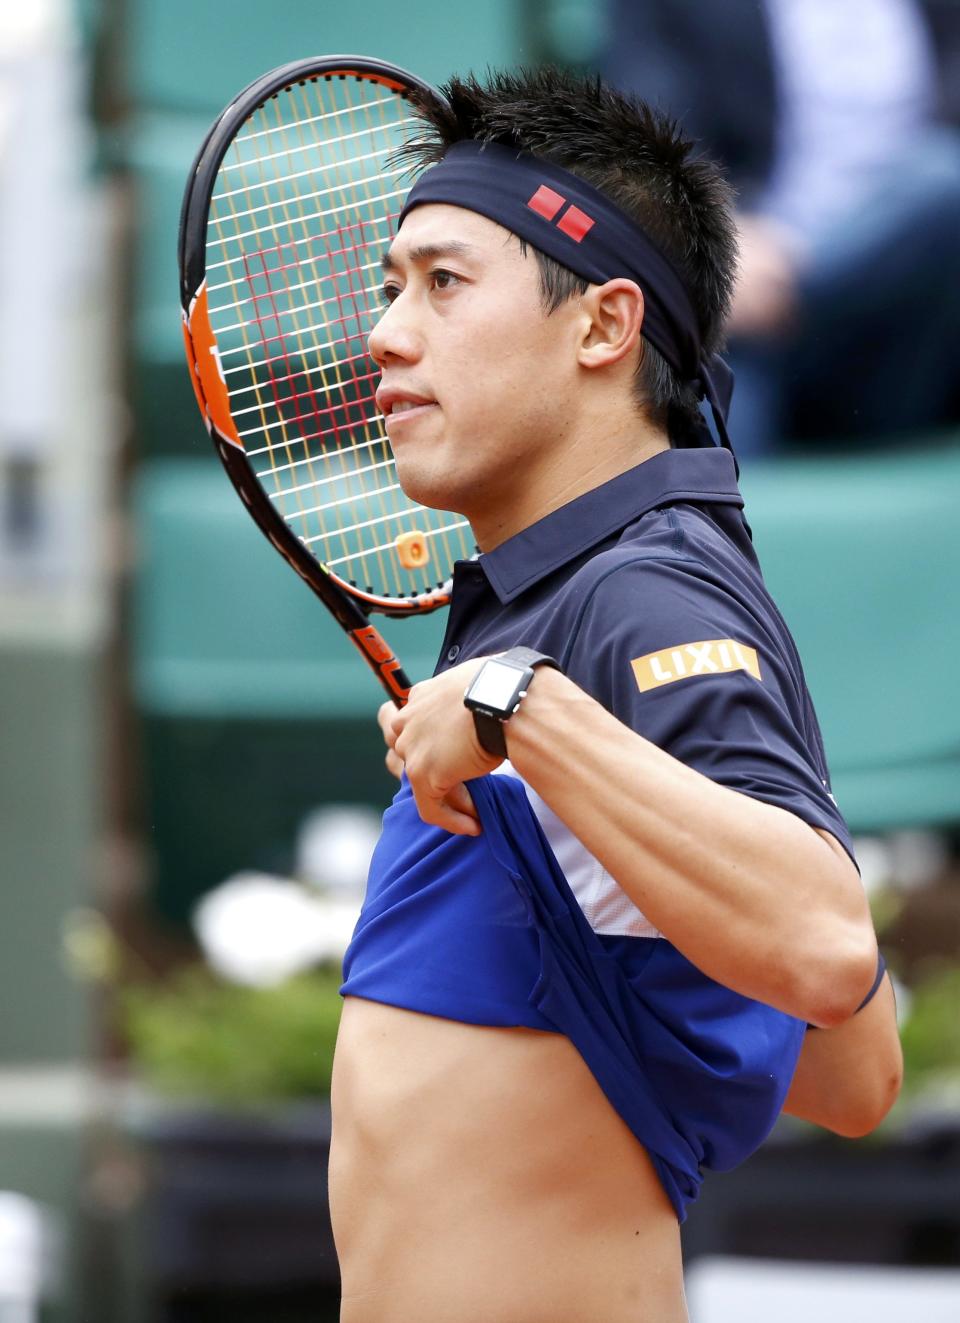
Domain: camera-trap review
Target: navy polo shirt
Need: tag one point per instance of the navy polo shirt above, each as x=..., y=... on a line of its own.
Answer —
x=648, y=593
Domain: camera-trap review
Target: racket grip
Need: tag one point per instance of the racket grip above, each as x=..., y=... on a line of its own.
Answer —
x=378, y=655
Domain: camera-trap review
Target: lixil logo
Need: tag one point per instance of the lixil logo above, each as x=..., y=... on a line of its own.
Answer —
x=574, y=223
x=709, y=657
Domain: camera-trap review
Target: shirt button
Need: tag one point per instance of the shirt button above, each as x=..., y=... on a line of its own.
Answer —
x=453, y=653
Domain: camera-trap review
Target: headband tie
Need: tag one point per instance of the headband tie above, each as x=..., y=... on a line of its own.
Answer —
x=571, y=221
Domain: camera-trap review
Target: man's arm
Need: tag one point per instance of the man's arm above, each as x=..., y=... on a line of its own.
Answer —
x=747, y=891
x=848, y=1078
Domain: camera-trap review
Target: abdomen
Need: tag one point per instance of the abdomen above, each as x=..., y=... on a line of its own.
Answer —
x=481, y=1174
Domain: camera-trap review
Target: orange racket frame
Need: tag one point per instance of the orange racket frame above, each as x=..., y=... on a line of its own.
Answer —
x=349, y=604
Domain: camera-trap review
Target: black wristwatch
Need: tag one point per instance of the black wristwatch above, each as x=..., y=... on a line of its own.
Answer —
x=497, y=690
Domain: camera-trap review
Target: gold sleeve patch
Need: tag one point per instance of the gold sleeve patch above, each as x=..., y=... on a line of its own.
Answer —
x=711, y=657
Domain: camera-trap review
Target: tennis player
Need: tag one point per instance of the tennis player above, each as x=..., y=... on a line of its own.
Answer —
x=613, y=925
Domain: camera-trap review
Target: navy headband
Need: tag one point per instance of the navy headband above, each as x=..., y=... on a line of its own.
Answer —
x=571, y=221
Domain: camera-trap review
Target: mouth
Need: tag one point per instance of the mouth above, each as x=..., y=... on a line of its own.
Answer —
x=398, y=409
x=405, y=412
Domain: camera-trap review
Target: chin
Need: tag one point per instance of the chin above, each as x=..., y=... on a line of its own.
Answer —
x=434, y=490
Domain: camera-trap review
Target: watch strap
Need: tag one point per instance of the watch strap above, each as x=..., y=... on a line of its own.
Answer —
x=528, y=657
x=490, y=732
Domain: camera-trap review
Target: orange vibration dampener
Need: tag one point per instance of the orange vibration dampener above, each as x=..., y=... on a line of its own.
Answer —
x=412, y=549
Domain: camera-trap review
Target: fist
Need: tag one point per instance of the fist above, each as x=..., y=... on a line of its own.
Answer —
x=434, y=740
x=385, y=716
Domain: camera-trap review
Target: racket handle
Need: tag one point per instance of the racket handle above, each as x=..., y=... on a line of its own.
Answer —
x=379, y=657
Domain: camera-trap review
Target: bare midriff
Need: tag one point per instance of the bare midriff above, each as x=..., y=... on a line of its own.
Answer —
x=479, y=1175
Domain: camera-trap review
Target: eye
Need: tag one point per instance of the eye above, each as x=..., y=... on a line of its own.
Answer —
x=389, y=292
x=444, y=279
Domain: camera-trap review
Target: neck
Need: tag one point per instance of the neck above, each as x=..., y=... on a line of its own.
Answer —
x=572, y=465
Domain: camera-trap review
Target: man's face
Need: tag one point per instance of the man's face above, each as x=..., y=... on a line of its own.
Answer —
x=477, y=381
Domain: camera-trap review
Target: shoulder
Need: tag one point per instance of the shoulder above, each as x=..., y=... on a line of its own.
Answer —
x=681, y=642
x=672, y=571
x=677, y=618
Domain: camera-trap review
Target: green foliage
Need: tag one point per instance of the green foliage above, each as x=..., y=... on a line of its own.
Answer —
x=931, y=1035
x=199, y=1037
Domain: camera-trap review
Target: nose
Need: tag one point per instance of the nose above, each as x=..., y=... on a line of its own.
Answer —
x=394, y=336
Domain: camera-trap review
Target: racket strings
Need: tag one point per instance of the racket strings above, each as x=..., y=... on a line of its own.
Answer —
x=366, y=297
x=297, y=312
x=315, y=485
x=450, y=551
x=298, y=511
x=345, y=368
x=325, y=116
x=303, y=285
x=263, y=390
x=441, y=532
x=310, y=172
x=298, y=463
x=305, y=439
x=290, y=408
x=302, y=511
x=300, y=216
x=267, y=362
x=391, y=197
x=326, y=389
x=336, y=248
x=295, y=213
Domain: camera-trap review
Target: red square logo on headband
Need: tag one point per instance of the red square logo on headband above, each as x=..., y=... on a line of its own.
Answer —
x=546, y=203
x=575, y=223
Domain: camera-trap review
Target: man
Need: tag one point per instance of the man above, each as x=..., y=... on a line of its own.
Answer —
x=581, y=980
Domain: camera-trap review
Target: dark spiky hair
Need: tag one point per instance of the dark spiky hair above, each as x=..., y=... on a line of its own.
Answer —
x=639, y=159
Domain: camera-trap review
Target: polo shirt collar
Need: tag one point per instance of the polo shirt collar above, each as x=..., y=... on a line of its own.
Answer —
x=704, y=475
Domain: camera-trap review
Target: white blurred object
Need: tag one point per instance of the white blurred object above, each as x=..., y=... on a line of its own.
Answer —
x=918, y=858
x=904, y=999
x=334, y=845
x=29, y=1257
x=728, y=1290
x=43, y=151
x=904, y=860
x=875, y=861
x=260, y=930
x=48, y=256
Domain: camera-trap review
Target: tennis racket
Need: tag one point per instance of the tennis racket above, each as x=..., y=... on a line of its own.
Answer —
x=289, y=206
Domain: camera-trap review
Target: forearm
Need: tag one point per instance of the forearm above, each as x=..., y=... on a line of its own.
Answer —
x=748, y=892
x=848, y=1078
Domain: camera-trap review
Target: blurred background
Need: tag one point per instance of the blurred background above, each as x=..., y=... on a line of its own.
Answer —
x=191, y=775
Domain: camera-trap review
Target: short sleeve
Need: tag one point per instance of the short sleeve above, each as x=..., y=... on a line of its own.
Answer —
x=710, y=677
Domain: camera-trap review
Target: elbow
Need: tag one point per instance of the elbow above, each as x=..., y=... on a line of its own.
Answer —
x=871, y=1106
x=837, y=980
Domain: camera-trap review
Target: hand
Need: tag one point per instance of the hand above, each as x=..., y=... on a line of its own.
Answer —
x=435, y=741
x=385, y=715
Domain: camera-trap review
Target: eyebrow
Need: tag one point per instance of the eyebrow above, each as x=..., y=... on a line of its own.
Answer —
x=429, y=252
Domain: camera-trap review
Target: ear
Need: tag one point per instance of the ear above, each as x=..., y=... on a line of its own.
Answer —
x=615, y=313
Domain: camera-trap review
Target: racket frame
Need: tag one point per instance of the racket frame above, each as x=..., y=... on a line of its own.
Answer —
x=349, y=605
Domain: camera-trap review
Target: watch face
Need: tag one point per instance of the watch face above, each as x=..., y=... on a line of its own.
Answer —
x=495, y=686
